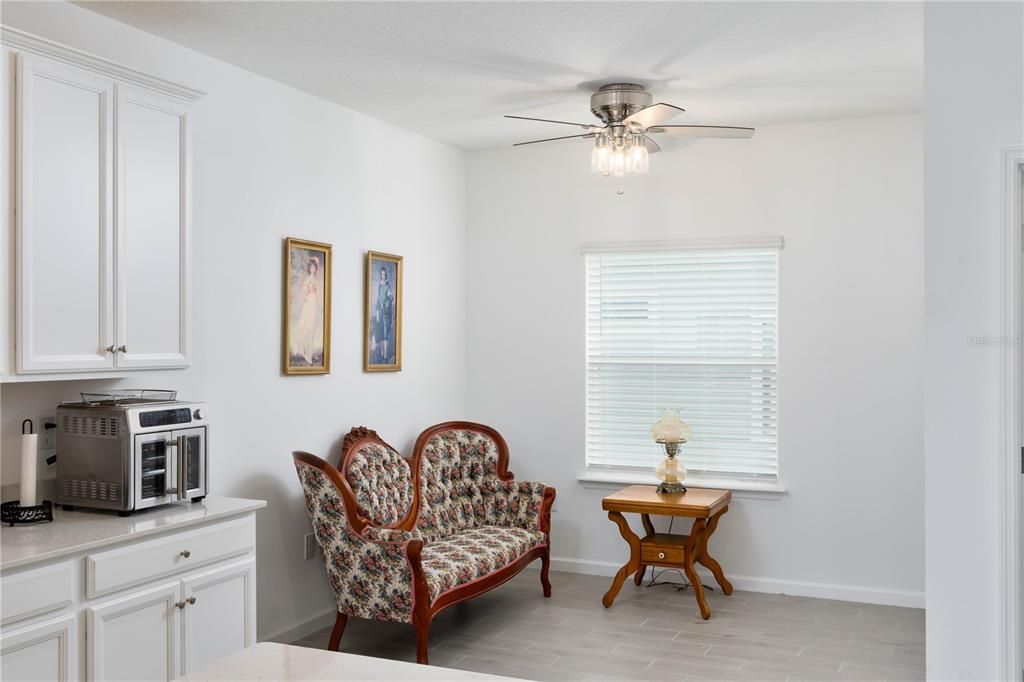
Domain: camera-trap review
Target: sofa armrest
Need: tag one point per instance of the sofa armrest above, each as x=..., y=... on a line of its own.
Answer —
x=523, y=504
x=370, y=578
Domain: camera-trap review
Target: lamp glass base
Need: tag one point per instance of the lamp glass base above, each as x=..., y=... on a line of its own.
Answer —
x=674, y=488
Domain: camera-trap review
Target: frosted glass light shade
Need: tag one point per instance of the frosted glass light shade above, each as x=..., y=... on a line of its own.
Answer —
x=671, y=429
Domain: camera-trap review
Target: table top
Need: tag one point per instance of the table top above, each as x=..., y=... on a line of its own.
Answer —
x=644, y=499
x=271, y=661
x=85, y=529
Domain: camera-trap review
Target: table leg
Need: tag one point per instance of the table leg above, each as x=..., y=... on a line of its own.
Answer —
x=631, y=566
x=649, y=530
x=706, y=559
x=692, y=542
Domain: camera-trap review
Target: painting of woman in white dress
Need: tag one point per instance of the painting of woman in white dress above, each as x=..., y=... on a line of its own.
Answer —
x=383, y=313
x=307, y=307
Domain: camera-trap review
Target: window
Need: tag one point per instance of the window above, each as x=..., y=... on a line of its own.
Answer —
x=689, y=327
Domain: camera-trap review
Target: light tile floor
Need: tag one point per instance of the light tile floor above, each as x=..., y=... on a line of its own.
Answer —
x=654, y=633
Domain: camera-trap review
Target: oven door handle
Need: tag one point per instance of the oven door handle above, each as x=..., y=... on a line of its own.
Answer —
x=182, y=467
x=168, y=444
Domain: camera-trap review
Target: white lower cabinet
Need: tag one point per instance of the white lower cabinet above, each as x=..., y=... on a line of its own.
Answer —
x=218, y=613
x=176, y=605
x=135, y=637
x=44, y=651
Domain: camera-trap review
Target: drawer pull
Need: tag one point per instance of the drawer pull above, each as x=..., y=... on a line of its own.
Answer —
x=661, y=555
x=185, y=553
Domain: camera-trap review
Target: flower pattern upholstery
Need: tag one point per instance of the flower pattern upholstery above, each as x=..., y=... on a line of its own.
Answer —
x=470, y=525
x=460, y=488
x=474, y=553
x=382, y=482
x=370, y=579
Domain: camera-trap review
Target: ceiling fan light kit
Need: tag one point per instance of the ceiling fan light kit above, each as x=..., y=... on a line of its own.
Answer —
x=622, y=146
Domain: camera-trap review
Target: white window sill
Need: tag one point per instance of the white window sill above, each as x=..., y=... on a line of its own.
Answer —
x=605, y=480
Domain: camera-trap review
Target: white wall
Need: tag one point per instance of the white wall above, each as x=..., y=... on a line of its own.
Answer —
x=846, y=195
x=271, y=162
x=974, y=90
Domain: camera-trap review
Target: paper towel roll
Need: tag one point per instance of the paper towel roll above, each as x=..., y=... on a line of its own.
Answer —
x=29, y=450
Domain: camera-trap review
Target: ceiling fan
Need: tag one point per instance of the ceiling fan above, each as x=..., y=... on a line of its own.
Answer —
x=622, y=145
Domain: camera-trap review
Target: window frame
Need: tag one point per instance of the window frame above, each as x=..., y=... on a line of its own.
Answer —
x=612, y=477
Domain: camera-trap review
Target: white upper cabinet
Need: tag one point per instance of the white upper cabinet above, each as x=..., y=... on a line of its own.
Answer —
x=152, y=230
x=102, y=229
x=64, y=241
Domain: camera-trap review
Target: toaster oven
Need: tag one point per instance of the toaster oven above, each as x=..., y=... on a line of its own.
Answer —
x=133, y=452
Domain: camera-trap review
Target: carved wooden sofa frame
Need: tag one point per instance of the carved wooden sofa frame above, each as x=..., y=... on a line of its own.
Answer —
x=423, y=608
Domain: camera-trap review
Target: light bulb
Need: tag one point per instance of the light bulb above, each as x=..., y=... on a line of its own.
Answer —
x=618, y=162
x=638, y=156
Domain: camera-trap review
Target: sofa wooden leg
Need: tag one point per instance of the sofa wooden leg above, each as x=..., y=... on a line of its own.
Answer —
x=339, y=629
x=545, y=565
x=422, y=637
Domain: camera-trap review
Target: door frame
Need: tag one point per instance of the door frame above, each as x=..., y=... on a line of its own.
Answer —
x=1011, y=423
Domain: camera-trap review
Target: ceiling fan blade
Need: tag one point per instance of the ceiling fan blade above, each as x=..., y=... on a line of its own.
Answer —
x=548, y=120
x=653, y=115
x=552, y=139
x=738, y=132
x=652, y=146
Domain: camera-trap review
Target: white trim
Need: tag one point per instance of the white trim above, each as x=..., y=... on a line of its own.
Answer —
x=604, y=479
x=799, y=588
x=1010, y=426
x=22, y=40
x=753, y=242
x=304, y=628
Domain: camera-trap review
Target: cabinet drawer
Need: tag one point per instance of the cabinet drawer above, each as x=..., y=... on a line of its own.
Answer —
x=115, y=569
x=35, y=591
x=661, y=554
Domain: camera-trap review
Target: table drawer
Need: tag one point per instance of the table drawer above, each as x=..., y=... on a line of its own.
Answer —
x=661, y=554
x=115, y=569
x=35, y=591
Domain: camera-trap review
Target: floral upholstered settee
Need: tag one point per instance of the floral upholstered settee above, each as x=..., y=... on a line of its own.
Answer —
x=405, y=538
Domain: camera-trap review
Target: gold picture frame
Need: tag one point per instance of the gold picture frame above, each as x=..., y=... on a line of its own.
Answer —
x=382, y=313
x=307, y=307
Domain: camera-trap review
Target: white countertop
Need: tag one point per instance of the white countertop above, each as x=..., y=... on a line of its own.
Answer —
x=84, y=529
x=270, y=661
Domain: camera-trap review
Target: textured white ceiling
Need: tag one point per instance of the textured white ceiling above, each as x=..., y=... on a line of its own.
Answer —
x=450, y=70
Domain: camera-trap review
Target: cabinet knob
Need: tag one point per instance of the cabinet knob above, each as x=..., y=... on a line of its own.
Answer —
x=180, y=605
x=661, y=555
x=111, y=348
x=191, y=600
x=123, y=348
x=185, y=553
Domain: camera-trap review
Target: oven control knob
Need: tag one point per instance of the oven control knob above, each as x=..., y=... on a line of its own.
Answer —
x=198, y=414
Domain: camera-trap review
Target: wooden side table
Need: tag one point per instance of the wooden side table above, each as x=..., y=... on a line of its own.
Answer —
x=662, y=549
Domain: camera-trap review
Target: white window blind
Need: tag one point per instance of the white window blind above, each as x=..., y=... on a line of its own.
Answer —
x=692, y=329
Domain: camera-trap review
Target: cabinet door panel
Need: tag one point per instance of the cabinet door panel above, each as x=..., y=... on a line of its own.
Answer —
x=152, y=231
x=136, y=637
x=45, y=651
x=64, y=229
x=222, y=619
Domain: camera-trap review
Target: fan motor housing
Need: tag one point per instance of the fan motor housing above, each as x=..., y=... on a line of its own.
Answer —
x=615, y=101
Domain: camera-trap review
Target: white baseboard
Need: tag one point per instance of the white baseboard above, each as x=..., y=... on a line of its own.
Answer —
x=296, y=631
x=856, y=593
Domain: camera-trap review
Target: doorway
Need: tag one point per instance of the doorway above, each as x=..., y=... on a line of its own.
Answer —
x=1011, y=463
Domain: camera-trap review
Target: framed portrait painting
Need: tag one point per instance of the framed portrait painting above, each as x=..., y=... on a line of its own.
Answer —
x=383, y=313
x=307, y=307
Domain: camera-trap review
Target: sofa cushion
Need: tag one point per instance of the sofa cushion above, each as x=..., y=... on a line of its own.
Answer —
x=382, y=482
x=455, y=467
x=474, y=553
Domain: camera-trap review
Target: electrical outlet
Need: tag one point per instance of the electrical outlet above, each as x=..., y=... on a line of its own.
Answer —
x=309, y=550
x=47, y=437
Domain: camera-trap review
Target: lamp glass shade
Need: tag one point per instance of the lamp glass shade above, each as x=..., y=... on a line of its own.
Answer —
x=671, y=429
